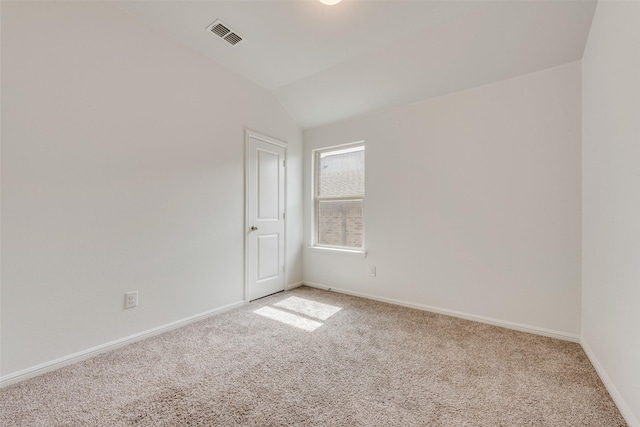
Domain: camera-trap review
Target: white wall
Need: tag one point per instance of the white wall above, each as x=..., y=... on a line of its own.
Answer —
x=472, y=204
x=611, y=201
x=122, y=169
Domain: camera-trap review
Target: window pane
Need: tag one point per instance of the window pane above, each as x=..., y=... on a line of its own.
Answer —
x=341, y=173
x=340, y=223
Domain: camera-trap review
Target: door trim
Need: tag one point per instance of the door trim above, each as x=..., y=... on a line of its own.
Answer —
x=248, y=134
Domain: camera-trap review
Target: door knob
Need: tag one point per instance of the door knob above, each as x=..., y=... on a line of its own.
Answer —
x=254, y=228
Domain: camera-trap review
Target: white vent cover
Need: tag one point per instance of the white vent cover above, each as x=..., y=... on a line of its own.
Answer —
x=225, y=33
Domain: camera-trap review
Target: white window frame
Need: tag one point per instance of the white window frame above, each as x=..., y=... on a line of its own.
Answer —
x=317, y=199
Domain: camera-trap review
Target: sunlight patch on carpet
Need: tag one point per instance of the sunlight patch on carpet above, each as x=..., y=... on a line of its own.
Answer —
x=310, y=308
x=289, y=318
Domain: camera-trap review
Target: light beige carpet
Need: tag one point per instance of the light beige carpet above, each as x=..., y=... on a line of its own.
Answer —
x=315, y=358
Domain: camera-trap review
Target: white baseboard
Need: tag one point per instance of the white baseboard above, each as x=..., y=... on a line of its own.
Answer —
x=624, y=409
x=495, y=322
x=293, y=286
x=91, y=352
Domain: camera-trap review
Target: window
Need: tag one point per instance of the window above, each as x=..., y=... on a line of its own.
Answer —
x=339, y=197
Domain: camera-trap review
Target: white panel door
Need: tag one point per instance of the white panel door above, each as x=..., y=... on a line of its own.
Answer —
x=265, y=215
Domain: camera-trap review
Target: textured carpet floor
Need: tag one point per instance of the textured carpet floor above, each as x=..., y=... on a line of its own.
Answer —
x=316, y=358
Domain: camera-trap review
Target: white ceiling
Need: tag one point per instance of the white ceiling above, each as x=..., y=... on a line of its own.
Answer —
x=328, y=63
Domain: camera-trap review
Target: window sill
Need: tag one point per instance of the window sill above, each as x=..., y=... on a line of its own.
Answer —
x=322, y=249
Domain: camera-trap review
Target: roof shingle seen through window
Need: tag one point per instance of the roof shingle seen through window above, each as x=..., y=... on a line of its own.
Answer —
x=341, y=175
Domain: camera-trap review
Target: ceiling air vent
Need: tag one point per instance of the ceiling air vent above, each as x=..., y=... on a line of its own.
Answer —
x=233, y=38
x=225, y=33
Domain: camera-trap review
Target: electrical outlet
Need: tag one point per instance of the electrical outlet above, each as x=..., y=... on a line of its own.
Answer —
x=372, y=271
x=131, y=299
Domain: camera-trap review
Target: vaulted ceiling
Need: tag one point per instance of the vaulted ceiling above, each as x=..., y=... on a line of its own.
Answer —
x=328, y=63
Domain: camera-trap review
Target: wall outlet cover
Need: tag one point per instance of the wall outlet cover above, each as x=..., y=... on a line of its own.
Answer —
x=131, y=299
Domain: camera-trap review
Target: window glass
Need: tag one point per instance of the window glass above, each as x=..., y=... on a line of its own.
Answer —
x=341, y=173
x=339, y=201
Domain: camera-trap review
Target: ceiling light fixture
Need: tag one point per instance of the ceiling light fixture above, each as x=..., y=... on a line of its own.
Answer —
x=330, y=2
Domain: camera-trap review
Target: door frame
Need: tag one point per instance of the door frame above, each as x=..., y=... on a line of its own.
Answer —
x=248, y=134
